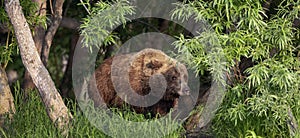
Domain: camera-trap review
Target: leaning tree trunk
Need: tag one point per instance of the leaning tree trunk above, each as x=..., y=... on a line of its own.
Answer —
x=56, y=109
x=7, y=106
x=38, y=38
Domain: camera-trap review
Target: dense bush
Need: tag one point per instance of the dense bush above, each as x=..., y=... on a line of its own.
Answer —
x=262, y=63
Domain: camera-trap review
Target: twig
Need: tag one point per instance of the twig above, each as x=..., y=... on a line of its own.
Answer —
x=85, y=7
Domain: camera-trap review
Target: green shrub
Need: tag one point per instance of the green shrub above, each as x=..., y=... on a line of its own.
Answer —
x=260, y=99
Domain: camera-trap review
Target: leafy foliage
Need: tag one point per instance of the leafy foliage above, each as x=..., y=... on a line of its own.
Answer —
x=9, y=49
x=258, y=99
x=104, y=17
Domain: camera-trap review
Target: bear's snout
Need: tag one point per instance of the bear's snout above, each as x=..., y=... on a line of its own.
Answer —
x=185, y=90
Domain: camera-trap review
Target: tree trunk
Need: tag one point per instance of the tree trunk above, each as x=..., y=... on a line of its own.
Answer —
x=6, y=99
x=38, y=38
x=56, y=109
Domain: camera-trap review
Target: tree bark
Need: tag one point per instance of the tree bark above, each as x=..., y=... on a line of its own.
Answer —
x=56, y=20
x=39, y=37
x=56, y=109
x=6, y=99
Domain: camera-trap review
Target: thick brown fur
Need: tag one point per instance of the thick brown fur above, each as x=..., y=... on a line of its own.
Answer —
x=139, y=68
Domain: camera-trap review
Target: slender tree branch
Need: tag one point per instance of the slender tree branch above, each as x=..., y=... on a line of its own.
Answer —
x=57, y=17
x=68, y=3
x=85, y=7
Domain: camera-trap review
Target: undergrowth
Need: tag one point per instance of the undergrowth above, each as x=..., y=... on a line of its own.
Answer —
x=31, y=120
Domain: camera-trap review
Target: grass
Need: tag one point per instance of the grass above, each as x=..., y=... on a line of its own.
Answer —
x=31, y=120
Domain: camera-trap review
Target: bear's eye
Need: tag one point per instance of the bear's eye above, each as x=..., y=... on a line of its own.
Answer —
x=174, y=78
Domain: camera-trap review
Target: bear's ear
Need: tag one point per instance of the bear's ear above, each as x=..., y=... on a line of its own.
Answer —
x=154, y=64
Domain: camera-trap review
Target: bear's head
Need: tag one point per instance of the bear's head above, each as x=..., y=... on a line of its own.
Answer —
x=150, y=64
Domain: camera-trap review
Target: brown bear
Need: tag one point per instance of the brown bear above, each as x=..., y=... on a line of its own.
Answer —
x=148, y=81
